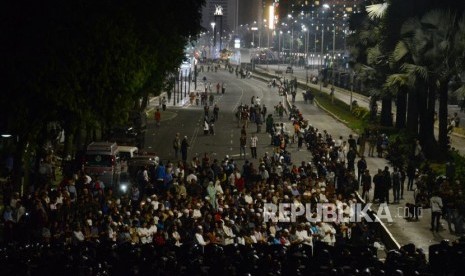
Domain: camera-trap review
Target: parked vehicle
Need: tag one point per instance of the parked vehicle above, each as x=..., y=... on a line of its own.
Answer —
x=102, y=160
x=125, y=154
x=289, y=70
x=140, y=161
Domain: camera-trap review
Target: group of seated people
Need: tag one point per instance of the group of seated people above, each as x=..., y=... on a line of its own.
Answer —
x=204, y=217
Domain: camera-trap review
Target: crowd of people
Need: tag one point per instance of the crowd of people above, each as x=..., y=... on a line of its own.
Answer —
x=207, y=215
x=205, y=208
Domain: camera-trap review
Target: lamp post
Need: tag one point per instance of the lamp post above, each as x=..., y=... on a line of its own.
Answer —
x=325, y=7
x=334, y=54
x=253, y=35
x=322, y=44
x=214, y=40
x=279, y=47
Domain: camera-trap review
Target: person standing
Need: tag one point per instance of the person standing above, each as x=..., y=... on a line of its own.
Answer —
x=378, y=180
x=258, y=121
x=253, y=145
x=361, y=144
x=176, y=145
x=410, y=175
x=361, y=167
x=352, y=143
x=371, y=144
x=396, y=178
x=366, y=185
x=387, y=183
x=216, y=111
x=163, y=103
x=157, y=117
x=456, y=119
x=436, y=211
x=184, y=147
x=351, y=159
x=403, y=176
x=243, y=142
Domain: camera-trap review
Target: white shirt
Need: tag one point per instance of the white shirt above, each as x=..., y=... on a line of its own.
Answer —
x=231, y=179
x=248, y=199
x=151, y=231
x=303, y=235
x=196, y=213
x=218, y=188
x=200, y=239
x=253, y=141
x=327, y=233
x=143, y=234
x=177, y=238
x=265, y=175
x=254, y=240
x=78, y=235
x=229, y=239
x=436, y=204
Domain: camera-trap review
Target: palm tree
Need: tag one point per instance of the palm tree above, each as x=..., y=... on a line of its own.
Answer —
x=442, y=49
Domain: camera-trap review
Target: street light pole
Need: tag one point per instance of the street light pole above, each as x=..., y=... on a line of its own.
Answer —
x=214, y=40
x=279, y=48
x=322, y=44
x=334, y=53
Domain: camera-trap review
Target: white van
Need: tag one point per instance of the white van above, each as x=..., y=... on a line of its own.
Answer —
x=125, y=154
x=102, y=160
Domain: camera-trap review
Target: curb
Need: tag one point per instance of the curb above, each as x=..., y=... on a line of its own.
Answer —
x=330, y=113
x=341, y=90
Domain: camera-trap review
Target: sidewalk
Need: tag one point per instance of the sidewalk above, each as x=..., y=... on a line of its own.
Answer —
x=400, y=230
x=457, y=140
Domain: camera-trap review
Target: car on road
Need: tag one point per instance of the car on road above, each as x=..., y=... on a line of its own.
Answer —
x=289, y=70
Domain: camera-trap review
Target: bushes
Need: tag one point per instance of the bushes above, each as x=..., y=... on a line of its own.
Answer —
x=361, y=113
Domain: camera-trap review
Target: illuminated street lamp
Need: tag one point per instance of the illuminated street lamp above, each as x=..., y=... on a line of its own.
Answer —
x=214, y=39
x=253, y=35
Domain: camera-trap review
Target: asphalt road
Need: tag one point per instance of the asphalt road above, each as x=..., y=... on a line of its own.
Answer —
x=188, y=120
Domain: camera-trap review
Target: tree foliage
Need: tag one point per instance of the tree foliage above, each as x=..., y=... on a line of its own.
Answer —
x=85, y=63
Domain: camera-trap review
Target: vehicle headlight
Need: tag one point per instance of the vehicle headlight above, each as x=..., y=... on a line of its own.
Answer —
x=123, y=187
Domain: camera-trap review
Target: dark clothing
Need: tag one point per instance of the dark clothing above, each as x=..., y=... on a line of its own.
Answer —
x=387, y=185
x=435, y=221
x=361, y=166
x=410, y=176
x=396, y=185
x=366, y=184
x=351, y=160
x=184, y=146
x=378, y=180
